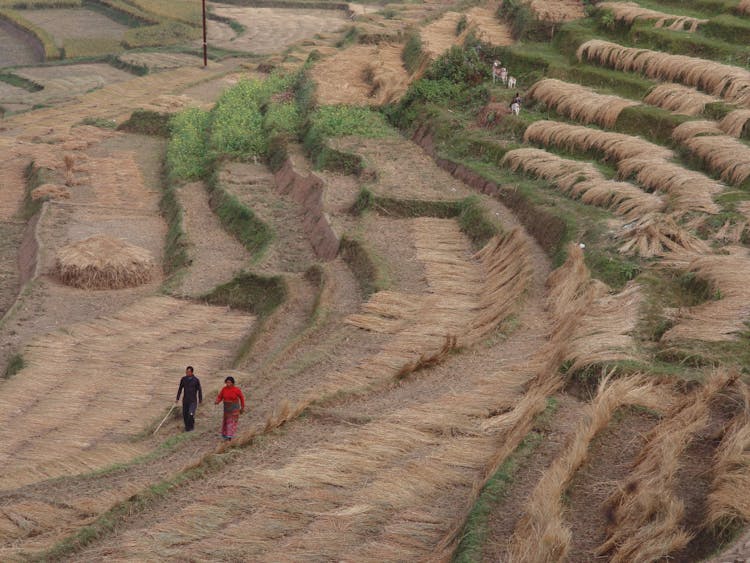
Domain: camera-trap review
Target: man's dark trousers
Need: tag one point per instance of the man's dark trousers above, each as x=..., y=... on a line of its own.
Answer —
x=188, y=415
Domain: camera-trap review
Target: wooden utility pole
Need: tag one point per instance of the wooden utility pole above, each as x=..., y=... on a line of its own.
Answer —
x=205, y=52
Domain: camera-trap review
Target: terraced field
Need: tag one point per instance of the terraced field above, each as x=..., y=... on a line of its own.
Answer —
x=463, y=334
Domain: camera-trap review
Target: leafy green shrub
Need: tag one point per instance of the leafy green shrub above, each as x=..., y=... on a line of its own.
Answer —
x=461, y=65
x=259, y=295
x=282, y=119
x=461, y=25
x=339, y=121
x=237, y=119
x=412, y=55
x=187, y=157
x=518, y=14
x=147, y=122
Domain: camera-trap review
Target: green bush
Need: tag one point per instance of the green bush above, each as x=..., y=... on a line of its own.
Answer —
x=147, y=122
x=282, y=119
x=187, y=157
x=461, y=65
x=412, y=55
x=260, y=295
x=339, y=121
x=518, y=14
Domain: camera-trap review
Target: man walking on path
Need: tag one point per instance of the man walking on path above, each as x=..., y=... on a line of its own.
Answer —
x=193, y=395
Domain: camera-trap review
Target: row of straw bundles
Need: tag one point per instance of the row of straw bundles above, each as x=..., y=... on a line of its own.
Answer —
x=725, y=155
x=578, y=102
x=730, y=82
x=582, y=180
x=630, y=11
x=734, y=122
x=744, y=7
x=679, y=99
x=646, y=512
x=649, y=163
x=541, y=533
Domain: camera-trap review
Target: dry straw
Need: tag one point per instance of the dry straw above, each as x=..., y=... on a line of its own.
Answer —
x=734, y=122
x=646, y=512
x=689, y=129
x=650, y=164
x=725, y=155
x=729, y=499
x=541, y=533
x=582, y=180
x=730, y=82
x=744, y=6
x=656, y=234
x=679, y=99
x=103, y=262
x=630, y=11
x=724, y=317
x=50, y=191
x=579, y=103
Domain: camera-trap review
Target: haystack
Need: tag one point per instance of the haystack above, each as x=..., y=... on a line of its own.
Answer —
x=102, y=262
x=50, y=191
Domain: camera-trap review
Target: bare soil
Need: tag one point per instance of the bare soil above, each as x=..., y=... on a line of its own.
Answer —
x=75, y=23
x=610, y=458
x=504, y=517
x=215, y=255
x=19, y=47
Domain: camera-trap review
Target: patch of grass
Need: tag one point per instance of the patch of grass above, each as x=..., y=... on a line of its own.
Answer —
x=74, y=48
x=176, y=256
x=161, y=34
x=187, y=157
x=351, y=35
x=15, y=364
x=147, y=122
x=259, y=295
x=649, y=122
x=474, y=221
x=34, y=177
x=282, y=119
x=367, y=270
x=100, y=122
x=20, y=82
x=412, y=55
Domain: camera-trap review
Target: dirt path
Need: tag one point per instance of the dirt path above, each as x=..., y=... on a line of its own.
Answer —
x=215, y=255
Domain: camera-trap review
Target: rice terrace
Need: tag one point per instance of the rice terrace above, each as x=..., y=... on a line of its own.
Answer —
x=461, y=281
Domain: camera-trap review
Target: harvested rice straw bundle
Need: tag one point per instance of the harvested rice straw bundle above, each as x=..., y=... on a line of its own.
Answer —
x=388, y=311
x=688, y=190
x=616, y=146
x=679, y=99
x=690, y=129
x=646, y=511
x=102, y=262
x=735, y=122
x=541, y=534
x=721, y=319
x=655, y=234
x=729, y=499
x=579, y=103
x=727, y=156
x=604, y=330
x=50, y=191
x=744, y=6
x=730, y=82
x=630, y=11
x=730, y=232
x=581, y=180
x=508, y=271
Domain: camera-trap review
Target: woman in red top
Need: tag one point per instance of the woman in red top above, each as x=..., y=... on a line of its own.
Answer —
x=234, y=406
